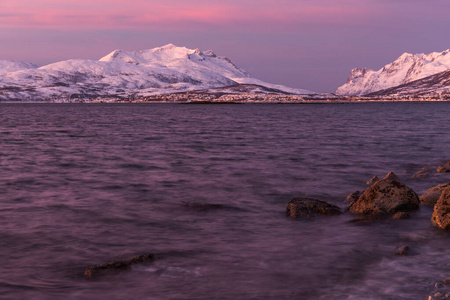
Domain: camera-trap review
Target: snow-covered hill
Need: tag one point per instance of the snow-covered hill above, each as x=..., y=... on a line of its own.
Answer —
x=429, y=86
x=7, y=66
x=406, y=68
x=160, y=70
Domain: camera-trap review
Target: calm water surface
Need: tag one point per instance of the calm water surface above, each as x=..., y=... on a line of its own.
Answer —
x=205, y=188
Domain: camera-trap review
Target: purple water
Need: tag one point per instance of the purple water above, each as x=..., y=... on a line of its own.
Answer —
x=86, y=184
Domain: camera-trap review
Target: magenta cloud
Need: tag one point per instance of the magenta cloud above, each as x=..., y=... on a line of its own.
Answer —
x=126, y=14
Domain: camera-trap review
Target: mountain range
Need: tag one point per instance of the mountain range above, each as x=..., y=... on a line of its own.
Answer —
x=171, y=69
x=162, y=70
x=408, y=68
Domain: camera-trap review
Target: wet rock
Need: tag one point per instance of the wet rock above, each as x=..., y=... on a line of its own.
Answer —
x=441, y=169
x=352, y=197
x=391, y=177
x=420, y=174
x=447, y=165
x=373, y=180
x=441, y=213
x=306, y=207
x=401, y=215
x=203, y=206
x=447, y=281
x=117, y=265
x=386, y=196
x=432, y=195
x=402, y=250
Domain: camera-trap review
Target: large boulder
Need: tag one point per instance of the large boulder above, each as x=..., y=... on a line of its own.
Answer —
x=386, y=196
x=441, y=213
x=306, y=207
x=432, y=195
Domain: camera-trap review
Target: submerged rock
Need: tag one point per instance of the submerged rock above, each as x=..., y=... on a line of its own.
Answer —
x=441, y=213
x=401, y=215
x=306, y=207
x=402, y=250
x=117, y=265
x=386, y=196
x=431, y=196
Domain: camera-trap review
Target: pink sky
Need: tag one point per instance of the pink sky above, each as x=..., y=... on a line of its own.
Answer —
x=310, y=44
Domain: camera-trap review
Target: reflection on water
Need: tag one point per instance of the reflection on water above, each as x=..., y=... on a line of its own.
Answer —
x=205, y=189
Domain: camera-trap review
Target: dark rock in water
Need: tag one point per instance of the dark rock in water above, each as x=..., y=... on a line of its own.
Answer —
x=441, y=213
x=391, y=176
x=306, y=207
x=203, y=206
x=441, y=169
x=447, y=281
x=432, y=195
x=420, y=174
x=401, y=215
x=352, y=197
x=117, y=265
x=386, y=196
x=373, y=180
x=402, y=250
x=447, y=165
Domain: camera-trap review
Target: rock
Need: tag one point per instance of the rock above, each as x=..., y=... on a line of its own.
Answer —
x=386, y=196
x=373, y=180
x=442, y=170
x=352, y=197
x=401, y=215
x=447, y=165
x=117, y=265
x=447, y=281
x=391, y=176
x=432, y=195
x=306, y=207
x=441, y=213
x=402, y=250
x=420, y=174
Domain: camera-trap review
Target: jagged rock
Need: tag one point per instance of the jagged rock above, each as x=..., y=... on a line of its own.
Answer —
x=431, y=196
x=352, y=197
x=306, y=207
x=391, y=176
x=420, y=174
x=441, y=213
x=402, y=250
x=441, y=169
x=373, y=180
x=401, y=215
x=117, y=265
x=386, y=196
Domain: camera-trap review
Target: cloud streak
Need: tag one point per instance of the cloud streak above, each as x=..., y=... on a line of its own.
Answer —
x=175, y=14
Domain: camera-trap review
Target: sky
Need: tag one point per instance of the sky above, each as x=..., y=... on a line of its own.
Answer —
x=309, y=44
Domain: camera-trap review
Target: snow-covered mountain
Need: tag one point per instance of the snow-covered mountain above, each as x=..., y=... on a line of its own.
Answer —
x=7, y=66
x=160, y=70
x=405, y=69
x=429, y=86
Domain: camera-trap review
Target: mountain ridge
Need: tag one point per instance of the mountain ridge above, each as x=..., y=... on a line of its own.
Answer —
x=161, y=70
x=407, y=68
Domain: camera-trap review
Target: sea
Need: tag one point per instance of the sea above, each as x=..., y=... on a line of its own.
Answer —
x=204, y=189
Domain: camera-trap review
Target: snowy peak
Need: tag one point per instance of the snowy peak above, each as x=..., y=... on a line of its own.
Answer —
x=407, y=68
